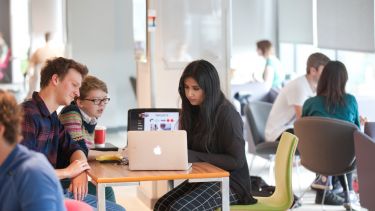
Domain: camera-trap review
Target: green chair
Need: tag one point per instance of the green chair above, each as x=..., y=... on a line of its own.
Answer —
x=282, y=198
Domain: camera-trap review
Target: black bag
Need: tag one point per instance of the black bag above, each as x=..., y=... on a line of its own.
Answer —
x=260, y=188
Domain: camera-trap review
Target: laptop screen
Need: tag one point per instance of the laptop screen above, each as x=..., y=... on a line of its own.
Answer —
x=153, y=119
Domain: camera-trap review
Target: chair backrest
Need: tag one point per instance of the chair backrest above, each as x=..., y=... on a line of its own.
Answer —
x=326, y=145
x=74, y=205
x=256, y=113
x=283, y=169
x=365, y=155
x=370, y=129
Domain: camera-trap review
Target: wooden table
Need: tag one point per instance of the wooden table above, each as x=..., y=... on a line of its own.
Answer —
x=110, y=174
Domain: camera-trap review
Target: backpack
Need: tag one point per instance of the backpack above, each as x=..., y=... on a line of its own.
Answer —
x=260, y=188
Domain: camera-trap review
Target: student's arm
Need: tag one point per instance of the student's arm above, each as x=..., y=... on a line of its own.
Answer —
x=73, y=123
x=298, y=111
x=230, y=137
x=78, y=184
x=268, y=75
x=71, y=151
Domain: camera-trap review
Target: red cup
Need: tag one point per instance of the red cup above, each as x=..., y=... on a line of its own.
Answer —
x=99, y=137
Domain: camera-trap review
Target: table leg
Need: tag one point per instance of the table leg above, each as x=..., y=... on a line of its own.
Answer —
x=100, y=195
x=225, y=194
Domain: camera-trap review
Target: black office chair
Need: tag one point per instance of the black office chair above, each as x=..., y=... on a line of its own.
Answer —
x=256, y=113
x=365, y=155
x=326, y=146
x=370, y=129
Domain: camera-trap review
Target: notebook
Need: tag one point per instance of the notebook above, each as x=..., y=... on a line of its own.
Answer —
x=158, y=150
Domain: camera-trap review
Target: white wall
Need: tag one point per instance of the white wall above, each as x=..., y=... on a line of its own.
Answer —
x=100, y=35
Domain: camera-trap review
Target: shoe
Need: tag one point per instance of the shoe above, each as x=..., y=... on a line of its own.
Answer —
x=353, y=202
x=321, y=183
x=330, y=198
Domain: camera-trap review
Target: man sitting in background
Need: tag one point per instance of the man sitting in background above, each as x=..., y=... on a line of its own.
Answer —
x=288, y=104
x=27, y=180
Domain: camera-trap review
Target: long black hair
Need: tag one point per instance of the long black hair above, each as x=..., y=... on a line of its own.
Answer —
x=332, y=84
x=200, y=121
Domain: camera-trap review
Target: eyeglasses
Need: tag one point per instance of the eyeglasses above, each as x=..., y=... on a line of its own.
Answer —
x=99, y=101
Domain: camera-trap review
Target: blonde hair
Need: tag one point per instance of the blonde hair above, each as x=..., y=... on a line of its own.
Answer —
x=90, y=83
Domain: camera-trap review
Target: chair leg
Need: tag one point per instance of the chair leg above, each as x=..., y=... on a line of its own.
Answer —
x=303, y=193
x=324, y=193
x=347, y=190
x=252, y=161
x=298, y=170
x=271, y=174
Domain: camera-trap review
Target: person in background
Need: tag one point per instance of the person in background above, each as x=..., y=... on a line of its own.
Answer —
x=273, y=74
x=4, y=57
x=80, y=118
x=288, y=104
x=27, y=180
x=215, y=135
x=332, y=101
x=61, y=79
x=38, y=59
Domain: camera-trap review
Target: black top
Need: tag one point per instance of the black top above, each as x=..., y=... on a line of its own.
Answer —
x=229, y=153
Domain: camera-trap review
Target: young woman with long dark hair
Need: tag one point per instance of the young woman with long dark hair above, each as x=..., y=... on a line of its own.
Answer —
x=215, y=135
x=332, y=101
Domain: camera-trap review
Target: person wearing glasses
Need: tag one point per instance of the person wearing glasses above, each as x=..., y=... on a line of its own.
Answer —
x=80, y=118
x=43, y=132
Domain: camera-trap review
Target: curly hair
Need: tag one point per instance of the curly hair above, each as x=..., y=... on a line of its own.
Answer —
x=11, y=116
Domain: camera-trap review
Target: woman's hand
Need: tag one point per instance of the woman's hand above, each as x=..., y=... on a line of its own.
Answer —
x=362, y=120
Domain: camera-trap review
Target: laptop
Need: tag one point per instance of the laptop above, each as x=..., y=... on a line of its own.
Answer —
x=148, y=119
x=158, y=150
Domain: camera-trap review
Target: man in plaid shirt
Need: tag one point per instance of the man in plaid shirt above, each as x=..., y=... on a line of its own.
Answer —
x=43, y=132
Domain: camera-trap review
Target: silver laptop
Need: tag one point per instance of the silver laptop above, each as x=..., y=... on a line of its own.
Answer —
x=158, y=150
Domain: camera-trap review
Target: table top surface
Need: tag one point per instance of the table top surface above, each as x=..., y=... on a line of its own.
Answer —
x=114, y=173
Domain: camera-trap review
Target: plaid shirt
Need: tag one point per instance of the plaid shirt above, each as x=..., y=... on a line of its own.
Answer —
x=44, y=133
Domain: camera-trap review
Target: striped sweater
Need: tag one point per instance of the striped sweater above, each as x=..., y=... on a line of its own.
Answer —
x=81, y=131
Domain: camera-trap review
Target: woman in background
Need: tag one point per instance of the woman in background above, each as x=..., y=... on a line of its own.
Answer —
x=80, y=119
x=332, y=101
x=273, y=74
x=215, y=135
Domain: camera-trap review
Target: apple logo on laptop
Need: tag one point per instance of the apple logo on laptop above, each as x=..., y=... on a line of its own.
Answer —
x=157, y=150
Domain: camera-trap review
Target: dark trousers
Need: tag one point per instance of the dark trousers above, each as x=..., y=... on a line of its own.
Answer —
x=193, y=196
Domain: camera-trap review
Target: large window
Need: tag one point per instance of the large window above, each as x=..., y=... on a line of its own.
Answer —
x=360, y=66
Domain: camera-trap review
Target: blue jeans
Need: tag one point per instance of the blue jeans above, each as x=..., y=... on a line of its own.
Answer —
x=91, y=200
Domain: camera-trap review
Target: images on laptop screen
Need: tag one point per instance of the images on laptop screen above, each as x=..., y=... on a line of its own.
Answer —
x=153, y=119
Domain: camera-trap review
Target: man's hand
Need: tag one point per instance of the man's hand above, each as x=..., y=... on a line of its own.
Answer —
x=79, y=187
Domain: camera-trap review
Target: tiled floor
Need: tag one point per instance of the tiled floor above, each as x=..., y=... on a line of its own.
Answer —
x=127, y=197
